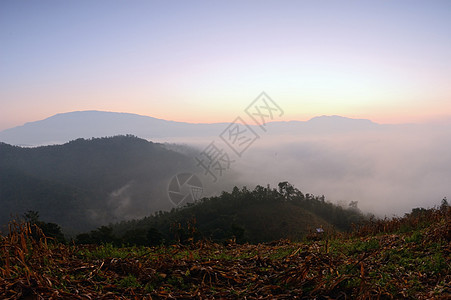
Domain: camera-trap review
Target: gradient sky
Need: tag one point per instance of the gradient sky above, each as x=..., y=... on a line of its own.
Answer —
x=205, y=61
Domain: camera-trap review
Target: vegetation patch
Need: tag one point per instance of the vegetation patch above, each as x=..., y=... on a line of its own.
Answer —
x=379, y=264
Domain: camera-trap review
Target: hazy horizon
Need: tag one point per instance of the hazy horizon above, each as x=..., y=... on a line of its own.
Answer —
x=387, y=169
x=204, y=61
x=438, y=120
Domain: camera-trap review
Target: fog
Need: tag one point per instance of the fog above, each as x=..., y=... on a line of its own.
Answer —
x=389, y=169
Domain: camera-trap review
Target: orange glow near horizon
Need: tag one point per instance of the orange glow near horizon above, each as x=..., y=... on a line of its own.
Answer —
x=312, y=58
x=395, y=114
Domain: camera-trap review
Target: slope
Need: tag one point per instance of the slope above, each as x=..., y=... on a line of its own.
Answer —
x=107, y=179
x=260, y=215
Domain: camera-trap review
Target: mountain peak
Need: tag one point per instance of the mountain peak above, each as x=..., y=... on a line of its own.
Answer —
x=337, y=118
x=63, y=127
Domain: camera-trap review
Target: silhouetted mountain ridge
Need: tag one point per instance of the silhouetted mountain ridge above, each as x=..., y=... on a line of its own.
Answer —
x=64, y=127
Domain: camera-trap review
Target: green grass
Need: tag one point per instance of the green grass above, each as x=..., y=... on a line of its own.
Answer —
x=110, y=251
x=354, y=246
x=416, y=237
x=129, y=282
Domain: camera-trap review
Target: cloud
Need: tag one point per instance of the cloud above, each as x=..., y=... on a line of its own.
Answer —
x=388, y=170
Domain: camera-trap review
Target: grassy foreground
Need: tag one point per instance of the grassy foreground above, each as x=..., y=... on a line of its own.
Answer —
x=400, y=258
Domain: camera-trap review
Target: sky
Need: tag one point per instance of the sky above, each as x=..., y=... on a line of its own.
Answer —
x=205, y=61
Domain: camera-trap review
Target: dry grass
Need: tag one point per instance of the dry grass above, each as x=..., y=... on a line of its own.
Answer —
x=401, y=258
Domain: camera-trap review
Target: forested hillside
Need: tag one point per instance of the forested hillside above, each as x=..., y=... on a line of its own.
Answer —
x=260, y=215
x=85, y=183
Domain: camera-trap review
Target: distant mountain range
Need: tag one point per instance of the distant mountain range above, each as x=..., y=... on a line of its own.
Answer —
x=64, y=127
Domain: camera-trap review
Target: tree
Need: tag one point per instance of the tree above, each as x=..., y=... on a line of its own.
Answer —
x=31, y=216
x=136, y=237
x=103, y=235
x=444, y=206
x=287, y=190
x=154, y=237
x=50, y=230
x=353, y=205
x=84, y=238
x=237, y=232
